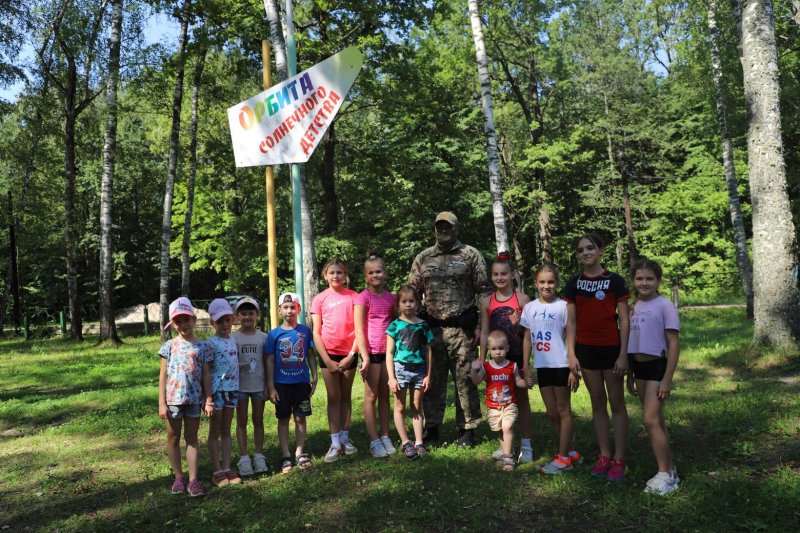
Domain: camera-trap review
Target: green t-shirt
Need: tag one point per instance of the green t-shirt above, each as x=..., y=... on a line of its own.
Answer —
x=410, y=340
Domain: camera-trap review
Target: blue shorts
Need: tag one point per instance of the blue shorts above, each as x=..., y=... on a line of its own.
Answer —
x=226, y=398
x=176, y=412
x=244, y=396
x=410, y=374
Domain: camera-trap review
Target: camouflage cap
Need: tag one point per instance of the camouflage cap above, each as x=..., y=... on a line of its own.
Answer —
x=447, y=216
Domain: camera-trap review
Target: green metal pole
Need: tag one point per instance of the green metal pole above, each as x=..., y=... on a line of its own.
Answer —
x=146, y=322
x=63, y=323
x=26, y=330
x=297, y=179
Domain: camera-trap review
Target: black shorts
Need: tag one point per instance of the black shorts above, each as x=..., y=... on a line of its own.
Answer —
x=377, y=358
x=338, y=359
x=295, y=398
x=517, y=358
x=653, y=370
x=596, y=357
x=552, y=377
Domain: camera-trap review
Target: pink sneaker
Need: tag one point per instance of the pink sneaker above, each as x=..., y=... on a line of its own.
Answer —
x=178, y=486
x=195, y=488
x=601, y=467
x=617, y=470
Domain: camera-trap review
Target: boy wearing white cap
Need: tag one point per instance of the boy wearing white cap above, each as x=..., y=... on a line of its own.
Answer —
x=225, y=388
x=291, y=377
x=252, y=384
x=184, y=390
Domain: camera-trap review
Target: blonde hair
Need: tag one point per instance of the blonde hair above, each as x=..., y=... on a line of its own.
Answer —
x=497, y=336
x=335, y=261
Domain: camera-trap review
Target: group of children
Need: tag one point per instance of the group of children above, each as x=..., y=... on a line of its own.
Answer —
x=591, y=334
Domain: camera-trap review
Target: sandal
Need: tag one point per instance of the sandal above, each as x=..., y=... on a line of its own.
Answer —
x=304, y=460
x=508, y=462
x=220, y=478
x=286, y=464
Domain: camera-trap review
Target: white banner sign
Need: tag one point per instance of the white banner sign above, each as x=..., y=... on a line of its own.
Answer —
x=285, y=123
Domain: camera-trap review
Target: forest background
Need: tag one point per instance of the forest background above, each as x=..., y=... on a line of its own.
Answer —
x=585, y=93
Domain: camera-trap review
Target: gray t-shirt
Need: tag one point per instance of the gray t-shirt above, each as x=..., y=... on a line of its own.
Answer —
x=251, y=360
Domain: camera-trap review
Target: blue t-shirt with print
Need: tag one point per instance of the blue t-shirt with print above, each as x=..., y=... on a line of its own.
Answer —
x=290, y=348
x=225, y=368
x=410, y=341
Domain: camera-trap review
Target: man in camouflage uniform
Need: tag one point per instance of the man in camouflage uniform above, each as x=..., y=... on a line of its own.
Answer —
x=449, y=276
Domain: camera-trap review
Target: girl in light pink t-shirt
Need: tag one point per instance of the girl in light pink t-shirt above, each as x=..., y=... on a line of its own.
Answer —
x=653, y=349
x=335, y=341
x=374, y=311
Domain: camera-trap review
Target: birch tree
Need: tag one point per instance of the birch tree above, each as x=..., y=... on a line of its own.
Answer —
x=774, y=292
x=108, y=327
x=172, y=167
x=745, y=266
x=495, y=185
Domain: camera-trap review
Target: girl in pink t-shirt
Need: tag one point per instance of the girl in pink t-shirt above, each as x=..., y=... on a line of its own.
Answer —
x=373, y=312
x=335, y=341
x=653, y=349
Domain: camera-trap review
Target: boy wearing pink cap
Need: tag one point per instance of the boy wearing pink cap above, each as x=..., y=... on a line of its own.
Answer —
x=183, y=385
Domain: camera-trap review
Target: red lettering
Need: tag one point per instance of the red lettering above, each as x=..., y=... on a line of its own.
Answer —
x=306, y=146
x=327, y=106
x=322, y=91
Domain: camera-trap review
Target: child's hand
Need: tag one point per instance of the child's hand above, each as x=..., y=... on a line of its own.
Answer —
x=393, y=385
x=331, y=365
x=574, y=366
x=209, y=409
x=573, y=382
x=513, y=317
x=621, y=365
x=476, y=364
x=664, y=388
x=426, y=384
x=364, y=367
x=528, y=377
x=162, y=412
x=345, y=363
x=313, y=386
x=274, y=397
x=631, y=386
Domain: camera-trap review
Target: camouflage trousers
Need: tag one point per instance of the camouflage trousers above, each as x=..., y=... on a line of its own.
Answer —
x=453, y=353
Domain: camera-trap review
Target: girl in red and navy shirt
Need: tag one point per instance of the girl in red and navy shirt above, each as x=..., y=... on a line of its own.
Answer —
x=597, y=343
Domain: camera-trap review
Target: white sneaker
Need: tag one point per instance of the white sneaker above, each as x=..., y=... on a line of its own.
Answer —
x=260, y=464
x=333, y=454
x=349, y=448
x=377, y=449
x=497, y=455
x=245, y=466
x=387, y=444
x=526, y=454
x=662, y=483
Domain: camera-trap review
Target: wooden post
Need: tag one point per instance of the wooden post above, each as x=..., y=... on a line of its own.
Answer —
x=675, y=295
x=270, y=186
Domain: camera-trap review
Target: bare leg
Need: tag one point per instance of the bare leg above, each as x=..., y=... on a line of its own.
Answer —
x=400, y=415
x=384, y=409
x=333, y=389
x=225, y=437
x=283, y=436
x=173, y=445
x=213, y=439
x=347, y=403
x=524, y=406
x=597, y=395
x=507, y=436
x=258, y=425
x=551, y=409
x=241, y=426
x=191, y=426
x=615, y=385
x=371, y=387
x=417, y=420
x=300, y=429
x=653, y=411
x=566, y=425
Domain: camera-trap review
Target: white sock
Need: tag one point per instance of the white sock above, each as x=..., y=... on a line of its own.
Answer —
x=418, y=443
x=525, y=443
x=344, y=436
x=335, y=440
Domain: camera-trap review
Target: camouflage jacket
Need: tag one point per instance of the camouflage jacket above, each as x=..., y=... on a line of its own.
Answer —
x=450, y=282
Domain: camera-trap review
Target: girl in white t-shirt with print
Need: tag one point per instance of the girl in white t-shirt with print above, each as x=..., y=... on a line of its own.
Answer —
x=545, y=323
x=653, y=350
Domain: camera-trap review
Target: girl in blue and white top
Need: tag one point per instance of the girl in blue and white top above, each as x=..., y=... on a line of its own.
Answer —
x=545, y=322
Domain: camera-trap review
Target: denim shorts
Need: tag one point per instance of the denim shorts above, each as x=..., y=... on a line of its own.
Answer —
x=244, y=396
x=226, y=398
x=176, y=412
x=410, y=374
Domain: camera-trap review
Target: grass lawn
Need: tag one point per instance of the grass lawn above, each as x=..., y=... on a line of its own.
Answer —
x=82, y=448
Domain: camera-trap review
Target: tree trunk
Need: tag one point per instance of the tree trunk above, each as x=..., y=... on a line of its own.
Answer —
x=625, y=170
x=330, y=204
x=12, y=278
x=108, y=327
x=70, y=116
x=495, y=186
x=187, y=223
x=311, y=283
x=172, y=166
x=774, y=291
x=737, y=220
